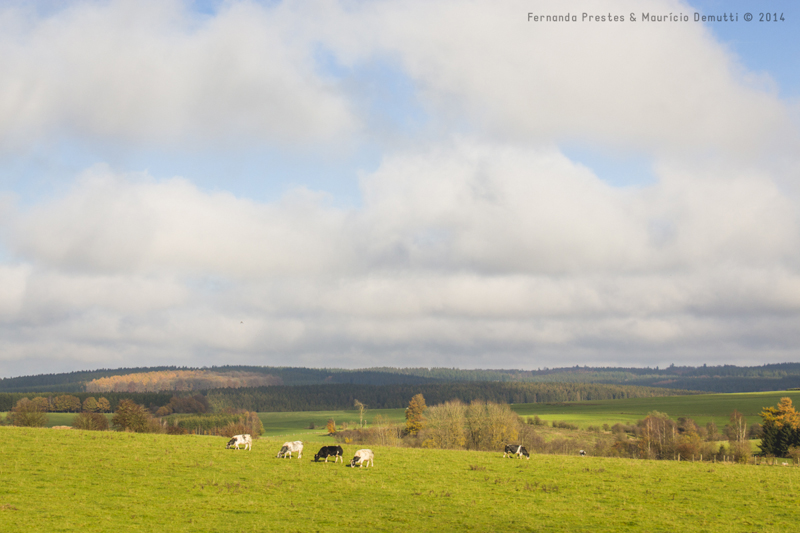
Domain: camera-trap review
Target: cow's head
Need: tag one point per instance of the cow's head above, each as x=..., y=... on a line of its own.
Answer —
x=284, y=449
x=230, y=444
x=316, y=457
x=355, y=460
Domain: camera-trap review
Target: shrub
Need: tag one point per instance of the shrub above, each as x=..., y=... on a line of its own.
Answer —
x=130, y=416
x=90, y=421
x=29, y=413
x=225, y=424
x=175, y=430
x=564, y=425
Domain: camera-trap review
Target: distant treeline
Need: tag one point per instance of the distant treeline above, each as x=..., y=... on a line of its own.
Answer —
x=725, y=378
x=339, y=396
x=9, y=399
x=77, y=381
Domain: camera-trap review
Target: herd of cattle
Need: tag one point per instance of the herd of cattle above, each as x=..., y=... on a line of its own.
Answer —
x=361, y=457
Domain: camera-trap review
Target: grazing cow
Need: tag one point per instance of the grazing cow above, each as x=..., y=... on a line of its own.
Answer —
x=363, y=456
x=290, y=447
x=582, y=452
x=516, y=449
x=330, y=451
x=245, y=440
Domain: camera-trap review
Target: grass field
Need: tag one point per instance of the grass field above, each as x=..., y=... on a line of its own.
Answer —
x=106, y=481
x=702, y=408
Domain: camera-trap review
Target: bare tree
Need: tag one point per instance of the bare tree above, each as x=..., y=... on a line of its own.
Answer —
x=361, y=410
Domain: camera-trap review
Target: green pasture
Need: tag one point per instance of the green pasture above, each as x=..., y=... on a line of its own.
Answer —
x=296, y=425
x=108, y=481
x=703, y=408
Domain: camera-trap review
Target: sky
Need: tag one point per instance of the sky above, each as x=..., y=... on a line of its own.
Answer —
x=345, y=183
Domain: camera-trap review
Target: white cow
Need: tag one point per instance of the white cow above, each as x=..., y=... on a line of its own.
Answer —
x=289, y=447
x=363, y=456
x=245, y=440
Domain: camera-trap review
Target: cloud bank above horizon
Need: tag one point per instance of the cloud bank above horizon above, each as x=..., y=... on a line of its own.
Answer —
x=354, y=184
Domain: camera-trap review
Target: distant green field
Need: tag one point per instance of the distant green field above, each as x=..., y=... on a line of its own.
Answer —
x=702, y=408
x=298, y=424
x=111, y=482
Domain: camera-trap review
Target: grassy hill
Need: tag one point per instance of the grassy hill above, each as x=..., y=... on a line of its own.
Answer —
x=98, y=482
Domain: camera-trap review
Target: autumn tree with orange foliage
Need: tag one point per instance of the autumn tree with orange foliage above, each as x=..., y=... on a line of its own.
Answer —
x=781, y=428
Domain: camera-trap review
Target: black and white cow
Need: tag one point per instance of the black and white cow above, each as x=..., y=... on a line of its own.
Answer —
x=516, y=449
x=237, y=440
x=582, y=453
x=290, y=447
x=363, y=456
x=330, y=451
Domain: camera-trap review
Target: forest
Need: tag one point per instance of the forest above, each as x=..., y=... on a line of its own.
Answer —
x=342, y=396
x=724, y=378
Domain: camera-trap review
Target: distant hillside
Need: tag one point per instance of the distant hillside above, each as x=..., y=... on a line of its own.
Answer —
x=181, y=380
x=726, y=378
x=134, y=379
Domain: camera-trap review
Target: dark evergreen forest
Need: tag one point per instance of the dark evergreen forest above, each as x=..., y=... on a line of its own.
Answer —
x=725, y=378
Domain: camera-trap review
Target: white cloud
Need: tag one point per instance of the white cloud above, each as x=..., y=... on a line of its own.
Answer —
x=477, y=242
x=153, y=73
x=467, y=250
x=664, y=88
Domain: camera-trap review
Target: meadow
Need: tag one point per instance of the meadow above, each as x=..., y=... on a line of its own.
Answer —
x=70, y=480
x=703, y=408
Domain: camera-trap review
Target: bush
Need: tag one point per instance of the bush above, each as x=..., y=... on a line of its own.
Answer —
x=176, y=430
x=564, y=425
x=29, y=413
x=90, y=421
x=130, y=416
x=225, y=424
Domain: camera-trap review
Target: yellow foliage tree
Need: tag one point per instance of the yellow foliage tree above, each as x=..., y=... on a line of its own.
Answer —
x=415, y=418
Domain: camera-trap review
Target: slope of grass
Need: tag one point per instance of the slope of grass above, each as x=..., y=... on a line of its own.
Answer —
x=85, y=481
x=702, y=408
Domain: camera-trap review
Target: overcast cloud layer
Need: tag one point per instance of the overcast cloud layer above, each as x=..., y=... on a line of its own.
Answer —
x=475, y=241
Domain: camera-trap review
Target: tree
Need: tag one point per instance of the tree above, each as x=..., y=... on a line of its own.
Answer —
x=103, y=405
x=90, y=421
x=361, y=409
x=713, y=432
x=781, y=428
x=490, y=425
x=446, y=426
x=131, y=416
x=415, y=418
x=28, y=413
x=737, y=429
x=66, y=403
x=90, y=405
x=331, y=426
x=658, y=436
